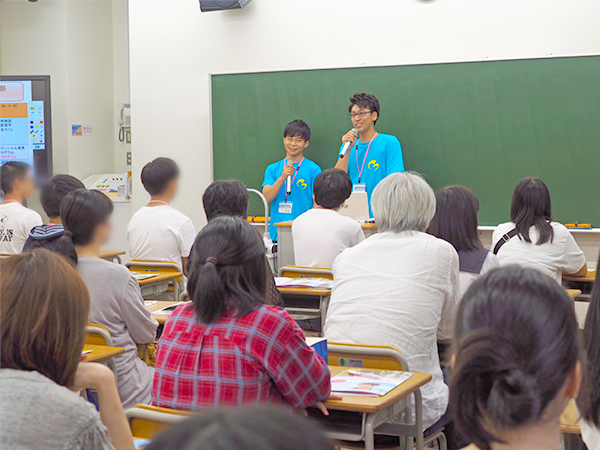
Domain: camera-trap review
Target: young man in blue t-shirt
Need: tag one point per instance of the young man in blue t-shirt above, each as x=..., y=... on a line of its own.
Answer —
x=302, y=172
x=375, y=155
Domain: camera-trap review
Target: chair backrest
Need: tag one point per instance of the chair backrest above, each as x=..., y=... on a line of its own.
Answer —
x=137, y=265
x=146, y=421
x=304, y=272
x=97, y=335
x=367, y=356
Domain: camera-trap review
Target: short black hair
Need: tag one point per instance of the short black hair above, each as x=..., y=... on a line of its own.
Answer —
x=225, y=198
x=157, y=174
x=55, y=189
x=246, y=428
x=531, y=207
x=455, y=219
x=297, y=128
x=364, y=100
x=332, y=188
x=10, y=172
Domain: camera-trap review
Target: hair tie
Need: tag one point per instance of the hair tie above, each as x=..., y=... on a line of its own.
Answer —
x=212, y=260
x=69, y=233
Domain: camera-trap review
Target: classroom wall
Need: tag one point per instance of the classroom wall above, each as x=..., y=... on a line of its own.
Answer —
x=174, y=48
x=73, y=42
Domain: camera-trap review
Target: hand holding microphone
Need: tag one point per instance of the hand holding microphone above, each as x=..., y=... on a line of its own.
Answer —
x=288, y=171
x=348, y=139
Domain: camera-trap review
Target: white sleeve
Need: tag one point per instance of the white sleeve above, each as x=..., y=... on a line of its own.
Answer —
x=446, y=327
x=186, y=237
x=32, y=220
x=573, y=258
x=358, y=237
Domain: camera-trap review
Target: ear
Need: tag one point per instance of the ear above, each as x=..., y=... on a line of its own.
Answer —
x=375, y=116
x=452, y=361
x=573, y=382
x=306, y=144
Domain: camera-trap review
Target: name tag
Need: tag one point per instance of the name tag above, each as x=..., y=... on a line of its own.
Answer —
x=285, y=208
x=361, y=187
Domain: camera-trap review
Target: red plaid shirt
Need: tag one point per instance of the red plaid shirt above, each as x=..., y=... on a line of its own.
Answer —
x=260, y=358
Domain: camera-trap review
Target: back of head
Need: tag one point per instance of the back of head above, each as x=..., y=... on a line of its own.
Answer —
x=403, y=201
x=516, y=337
x=297, y=128
x=248, y=428
x=157, y=174
x=225, y=198
x=531, y=206
x=332, y=188
x=44, y=311
x=592, y=347
x=10, y=172
x=364, y=100
x=455, y=217
x=81, y=211
x=227, y=269
x=55, y=189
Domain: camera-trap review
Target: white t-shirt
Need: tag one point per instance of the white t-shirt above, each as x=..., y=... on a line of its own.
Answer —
x=16, y=222
x=320, y=235
x=590, y=435
x=400, y=290
x=160, y=233
x=468, y=278
x=551, y=258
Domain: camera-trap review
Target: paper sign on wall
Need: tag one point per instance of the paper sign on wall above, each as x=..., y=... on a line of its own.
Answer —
x=87, y=130
x=76, y=130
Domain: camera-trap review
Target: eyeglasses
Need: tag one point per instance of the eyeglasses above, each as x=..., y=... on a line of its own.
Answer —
x=361, y=114
x=294, y=140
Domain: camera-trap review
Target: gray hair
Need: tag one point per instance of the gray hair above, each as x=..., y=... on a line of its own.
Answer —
x=403, y=202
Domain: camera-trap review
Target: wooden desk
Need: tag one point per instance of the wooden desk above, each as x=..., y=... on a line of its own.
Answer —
x=101, y=352
x=160, y=278
x=154, y=286
x=589, y=278
x=573, y=292
x=569, y=422
x=306, y=303
x=111, y=255
x=160, y=304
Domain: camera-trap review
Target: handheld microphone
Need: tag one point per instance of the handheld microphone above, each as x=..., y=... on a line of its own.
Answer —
x=348, y=144
x=288, y=185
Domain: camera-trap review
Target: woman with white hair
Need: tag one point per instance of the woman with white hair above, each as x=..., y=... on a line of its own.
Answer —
x=400, y=287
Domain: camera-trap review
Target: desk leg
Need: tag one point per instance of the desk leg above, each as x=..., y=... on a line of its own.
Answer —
x=370, y=432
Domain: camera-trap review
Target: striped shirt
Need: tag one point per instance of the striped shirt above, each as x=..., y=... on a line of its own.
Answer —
x=259, y=358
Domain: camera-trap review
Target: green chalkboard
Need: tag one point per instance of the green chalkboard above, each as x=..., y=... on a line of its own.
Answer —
x=483, y=124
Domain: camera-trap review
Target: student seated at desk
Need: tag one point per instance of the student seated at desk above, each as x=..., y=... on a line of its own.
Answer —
x=455, y=221
x=590, y=422
x=116, y=300
x=322, y=233
x=16, y=221
x=230, y=198
x=533, y=239
x=228, y=348
x=517, y=363
x=248, y=428
x=44, y=311
x=55, y=189
x=157, y=231
x=400, y=287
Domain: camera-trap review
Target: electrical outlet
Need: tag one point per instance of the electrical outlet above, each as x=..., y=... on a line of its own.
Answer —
x=128, y=158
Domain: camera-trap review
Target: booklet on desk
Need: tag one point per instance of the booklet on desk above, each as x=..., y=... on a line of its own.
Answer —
x=144, y=276
x=368, y=382
x=315, y=283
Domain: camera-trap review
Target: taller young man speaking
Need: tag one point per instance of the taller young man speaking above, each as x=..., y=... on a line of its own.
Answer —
x=372, y=155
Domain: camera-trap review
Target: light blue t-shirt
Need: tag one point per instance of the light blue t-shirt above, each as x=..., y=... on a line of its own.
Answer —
x=301, y=196
x=384, y=158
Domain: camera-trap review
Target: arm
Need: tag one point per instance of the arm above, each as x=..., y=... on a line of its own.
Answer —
x=102, y=380
x=394, y=160
x=271, y=188
x=450, y=308
x=574, y=263
x=342, y=163
x=582, y=272
x=185, y=239
x=137, y=318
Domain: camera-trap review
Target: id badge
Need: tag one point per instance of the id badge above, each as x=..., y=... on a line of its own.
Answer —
x=285, y=208
x=360, y=187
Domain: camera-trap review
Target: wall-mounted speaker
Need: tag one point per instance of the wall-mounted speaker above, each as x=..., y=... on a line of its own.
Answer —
x=221, y=5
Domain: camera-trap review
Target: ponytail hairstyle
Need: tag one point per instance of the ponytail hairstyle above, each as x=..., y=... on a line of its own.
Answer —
x=531, y=206
x=81, y=211
x=592, y=347
x=516, y=337
x=227, y=269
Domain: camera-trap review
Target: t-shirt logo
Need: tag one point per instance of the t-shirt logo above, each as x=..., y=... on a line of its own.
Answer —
x=373, y=165
x=5, y=235
x=301, y=183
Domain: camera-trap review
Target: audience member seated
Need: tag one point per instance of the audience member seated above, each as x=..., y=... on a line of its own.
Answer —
x=455, y=221
x=533, y=239
x=249, y=428
x=322, y=233
x=517, y=363
x=400, y=287
x=16, y=220
x=116, y=300
x=228, y=348
x=55, y=189
x=44, y=311
x=157, y=231
x=230, y=198
x=590, y=423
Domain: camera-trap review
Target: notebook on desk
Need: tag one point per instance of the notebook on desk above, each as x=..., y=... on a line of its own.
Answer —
x=356, y=207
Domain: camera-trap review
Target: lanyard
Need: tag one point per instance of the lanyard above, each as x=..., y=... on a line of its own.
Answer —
x=360, y=169
x=10, y=200
x=158, y=201
x=295, y=173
